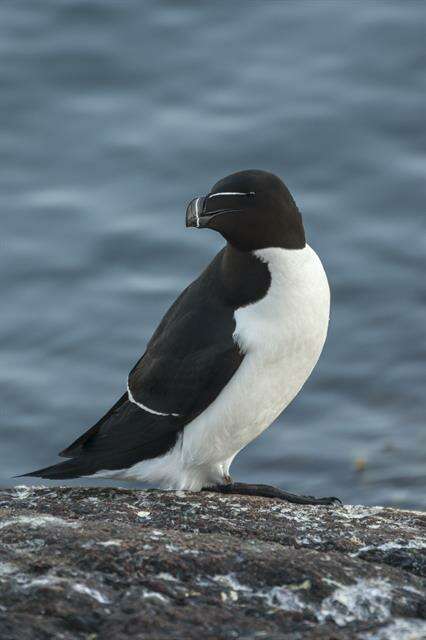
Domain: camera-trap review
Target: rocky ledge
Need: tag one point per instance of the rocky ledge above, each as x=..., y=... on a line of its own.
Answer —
x=110, y=564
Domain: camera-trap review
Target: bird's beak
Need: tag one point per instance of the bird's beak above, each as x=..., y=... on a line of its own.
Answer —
x=194, y=212
x=197, y=216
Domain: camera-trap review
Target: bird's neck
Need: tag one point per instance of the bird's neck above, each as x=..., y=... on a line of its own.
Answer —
x=245, y=277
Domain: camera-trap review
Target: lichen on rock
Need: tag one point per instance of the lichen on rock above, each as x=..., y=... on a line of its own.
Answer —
x=101, y=564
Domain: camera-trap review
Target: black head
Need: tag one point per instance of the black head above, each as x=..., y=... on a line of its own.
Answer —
x=252, y=210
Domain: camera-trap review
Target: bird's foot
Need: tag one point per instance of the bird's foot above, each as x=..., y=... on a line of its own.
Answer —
x=268, y=491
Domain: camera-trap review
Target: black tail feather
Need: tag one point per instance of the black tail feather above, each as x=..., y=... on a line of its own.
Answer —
x=74, y=468
x=78, y=445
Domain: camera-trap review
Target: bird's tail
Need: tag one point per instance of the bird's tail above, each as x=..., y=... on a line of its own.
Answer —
x=69, y=469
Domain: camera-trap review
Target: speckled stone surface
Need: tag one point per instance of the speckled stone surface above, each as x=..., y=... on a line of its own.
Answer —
x=101, y=564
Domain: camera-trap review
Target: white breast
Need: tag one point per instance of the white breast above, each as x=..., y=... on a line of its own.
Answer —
x=282, y=336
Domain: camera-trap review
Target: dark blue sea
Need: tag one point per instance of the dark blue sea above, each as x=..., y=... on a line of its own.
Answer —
x=113, y=115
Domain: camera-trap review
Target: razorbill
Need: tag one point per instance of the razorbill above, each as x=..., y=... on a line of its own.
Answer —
x=230, y=354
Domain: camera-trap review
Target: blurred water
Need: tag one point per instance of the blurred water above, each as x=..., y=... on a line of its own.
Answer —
x=115, y=114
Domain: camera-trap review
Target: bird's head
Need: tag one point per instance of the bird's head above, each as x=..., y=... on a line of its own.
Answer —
x=252, y=210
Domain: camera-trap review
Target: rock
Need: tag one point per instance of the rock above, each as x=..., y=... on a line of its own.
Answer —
x=101, y=564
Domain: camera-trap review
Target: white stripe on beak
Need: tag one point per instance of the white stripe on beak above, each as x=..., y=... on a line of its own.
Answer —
x=196, y=212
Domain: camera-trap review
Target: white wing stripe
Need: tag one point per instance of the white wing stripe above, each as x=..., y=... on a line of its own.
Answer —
x=145, y=408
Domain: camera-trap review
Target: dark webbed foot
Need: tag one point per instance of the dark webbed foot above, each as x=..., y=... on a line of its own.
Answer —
x=268, y=491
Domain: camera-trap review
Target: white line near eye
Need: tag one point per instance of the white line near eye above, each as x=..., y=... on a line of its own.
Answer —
x=228, y=193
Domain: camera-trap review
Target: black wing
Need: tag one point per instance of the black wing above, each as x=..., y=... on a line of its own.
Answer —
x=192, y=355
x=188, y=361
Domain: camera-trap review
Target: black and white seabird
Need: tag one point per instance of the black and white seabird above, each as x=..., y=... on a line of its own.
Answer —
x=230, y=354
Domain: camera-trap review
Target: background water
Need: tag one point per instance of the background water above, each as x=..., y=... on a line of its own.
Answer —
x=115, y=114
